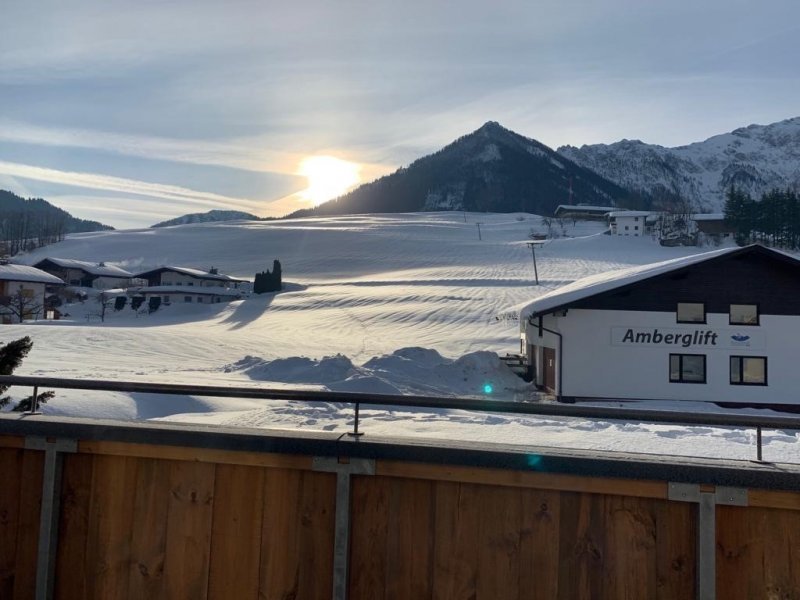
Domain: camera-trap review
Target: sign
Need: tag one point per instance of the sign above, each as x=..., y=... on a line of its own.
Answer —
x=683, y=338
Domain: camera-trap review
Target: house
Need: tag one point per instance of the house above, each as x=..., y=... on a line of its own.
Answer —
x=184, y=276
x=722, y=326
x=170, y=294
x=22, y=292
x=713, y=225
x=583, y=211
x=85, y=274
x=631, y=222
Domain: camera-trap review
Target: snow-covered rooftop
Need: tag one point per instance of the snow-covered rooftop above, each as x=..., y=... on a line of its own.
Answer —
x=604, y=282
x=579, y=207
x=189, y=290
x=709, y=217
x=99, y=269
x=191, y=272
x=629, y=213
x=26, y=273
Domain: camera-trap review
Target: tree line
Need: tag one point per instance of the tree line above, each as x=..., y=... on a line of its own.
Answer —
x=773, y=220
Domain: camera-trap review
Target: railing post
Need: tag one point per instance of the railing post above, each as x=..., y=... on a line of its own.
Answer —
x=34, y=400
x=759, y=455
x=356, y=432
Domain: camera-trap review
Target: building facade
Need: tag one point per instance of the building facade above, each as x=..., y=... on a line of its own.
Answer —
x=80, y=273
x=630, y=222
x=23, y=291
x=722, y=326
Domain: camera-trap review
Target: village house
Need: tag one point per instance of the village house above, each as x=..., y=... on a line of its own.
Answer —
x=583, y=212
x=22, y=292
x=85, y=274
x=722, y=326
x=631, y=222
x=184, y=276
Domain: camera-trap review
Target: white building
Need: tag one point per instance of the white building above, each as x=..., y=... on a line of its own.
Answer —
x=185, y=276
x=722, y=326
x=170, y=294
x=85, y=274
x=22, y=292
x=631, y=222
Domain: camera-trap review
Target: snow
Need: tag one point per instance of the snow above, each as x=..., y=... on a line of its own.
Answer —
x=373, y=304
x=26, y=273
x=630, y=213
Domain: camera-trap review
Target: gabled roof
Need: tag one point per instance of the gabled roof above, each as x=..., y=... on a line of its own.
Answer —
x=27, y=274
x=99, y=269
x=191, y=273
x=601, y=283
x=585, y=207
x=630, y=213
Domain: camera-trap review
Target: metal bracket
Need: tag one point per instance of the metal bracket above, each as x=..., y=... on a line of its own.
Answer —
x=53, y=449
x=343, y=468
x=690, y=492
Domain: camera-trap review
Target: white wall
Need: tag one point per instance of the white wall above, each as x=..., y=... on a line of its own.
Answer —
x=632, y=223
x=173, y=278
x=593, y=366
x=38, y=291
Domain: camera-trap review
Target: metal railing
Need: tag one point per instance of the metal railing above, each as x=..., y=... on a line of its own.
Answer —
x=740, y=421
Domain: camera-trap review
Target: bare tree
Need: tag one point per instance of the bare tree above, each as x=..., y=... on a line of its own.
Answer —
x=21, y=304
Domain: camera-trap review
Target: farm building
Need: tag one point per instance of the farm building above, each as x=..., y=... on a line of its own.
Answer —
x=85, y=274
x=720, y=326
x=170, y=294
x=22, y=292
x=184, y=276
x=631, y=222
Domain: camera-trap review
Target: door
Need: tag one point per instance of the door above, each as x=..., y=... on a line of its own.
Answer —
x=549, y=369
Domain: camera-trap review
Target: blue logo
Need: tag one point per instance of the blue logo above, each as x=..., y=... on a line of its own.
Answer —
x=740, y=338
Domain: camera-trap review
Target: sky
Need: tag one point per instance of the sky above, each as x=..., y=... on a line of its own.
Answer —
x=134, y=112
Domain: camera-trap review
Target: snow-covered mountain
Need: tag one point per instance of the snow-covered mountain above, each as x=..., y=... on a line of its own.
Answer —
x=211, y=216
x=756, y=159
x=491, y=169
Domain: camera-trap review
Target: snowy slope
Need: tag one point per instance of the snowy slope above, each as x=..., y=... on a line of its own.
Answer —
x=755, y=158
x=375, y=303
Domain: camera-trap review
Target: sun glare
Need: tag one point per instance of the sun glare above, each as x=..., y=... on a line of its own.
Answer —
x=328, y=177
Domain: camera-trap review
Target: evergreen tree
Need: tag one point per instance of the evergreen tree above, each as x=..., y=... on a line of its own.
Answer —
x=11, y=356
x=268, y=281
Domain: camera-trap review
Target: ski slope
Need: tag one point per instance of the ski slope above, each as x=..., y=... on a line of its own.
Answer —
x=373, y=303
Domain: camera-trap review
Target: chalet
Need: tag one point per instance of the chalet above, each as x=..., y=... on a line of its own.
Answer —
x=22, y=292
x=583, y=211
x=85, y=274
x=186, y=277
x=631, y=222
x=713, y=225
x=722, y=326
x=170, y=294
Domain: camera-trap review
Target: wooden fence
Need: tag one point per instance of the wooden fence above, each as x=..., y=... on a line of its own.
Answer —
x=221, y=518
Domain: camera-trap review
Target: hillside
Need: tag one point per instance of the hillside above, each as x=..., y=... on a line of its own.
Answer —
x=755, y=159
x=212, y=216
x=492, y=169
x=29, y=223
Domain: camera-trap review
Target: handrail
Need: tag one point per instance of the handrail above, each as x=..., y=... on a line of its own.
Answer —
x=470, y=404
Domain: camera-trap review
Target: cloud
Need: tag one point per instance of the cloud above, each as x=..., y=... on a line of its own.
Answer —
x=172, y=193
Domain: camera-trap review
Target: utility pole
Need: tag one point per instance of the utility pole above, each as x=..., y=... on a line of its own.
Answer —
x=532, y=246
x=479, y=230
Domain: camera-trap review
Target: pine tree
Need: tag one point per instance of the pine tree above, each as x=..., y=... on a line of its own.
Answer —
x=11, y=356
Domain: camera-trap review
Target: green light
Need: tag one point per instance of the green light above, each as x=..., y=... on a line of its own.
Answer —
x=487, y=388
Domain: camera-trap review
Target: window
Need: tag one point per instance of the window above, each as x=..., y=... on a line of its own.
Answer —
x=744, y=314
x=187, y=298
x=687, y=368
x=691, y=312
x=636, y=219
x=626, y=228
x=748, y=370
x=636, y=228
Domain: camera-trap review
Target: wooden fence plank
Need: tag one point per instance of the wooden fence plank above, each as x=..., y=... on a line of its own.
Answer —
x=149, y=531
x=676, y=539
x=316, y=532
x=236, y=532
x=525, y=479
x=11, y=472
x=76, y=490
x=368, y=556
x=208, y=455
x=12, y=441
x=29, y=520
x=189, y=520
x=409, y=543
x=539, y=544
x=108, y=545
x=499, y=534
x=457, y=518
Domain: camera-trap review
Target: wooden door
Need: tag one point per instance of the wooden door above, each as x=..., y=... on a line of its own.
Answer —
x=549, y=369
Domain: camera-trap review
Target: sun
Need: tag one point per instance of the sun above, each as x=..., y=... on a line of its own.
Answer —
x=328, y=177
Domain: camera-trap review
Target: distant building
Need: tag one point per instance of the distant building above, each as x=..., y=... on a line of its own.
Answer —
x=85, y=274
x=721, y=326
x=583, y=211
x=185, y=276
x=631, y=222
x=23, y=287
x=171, y=294
x=713, y=225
